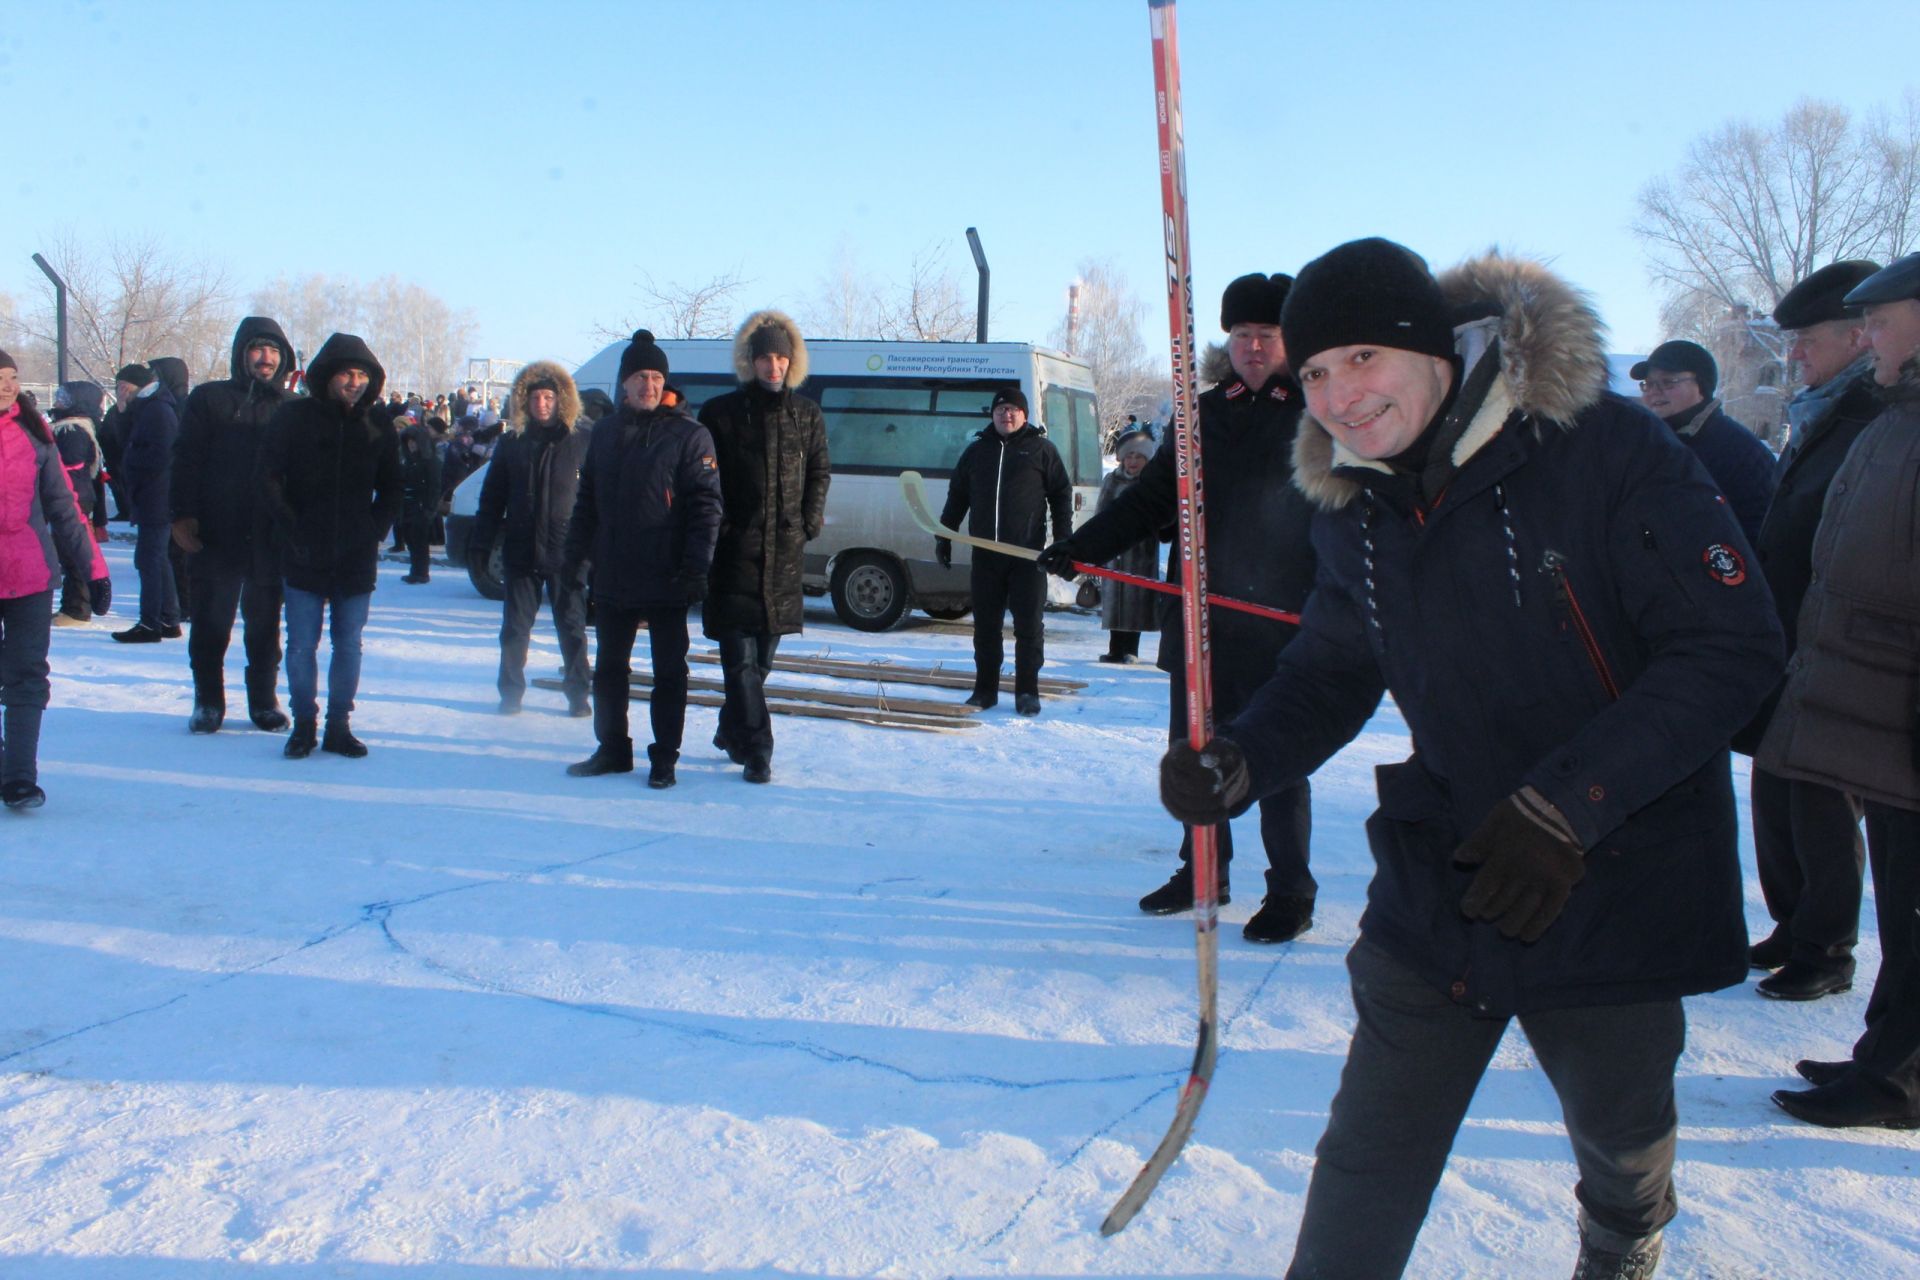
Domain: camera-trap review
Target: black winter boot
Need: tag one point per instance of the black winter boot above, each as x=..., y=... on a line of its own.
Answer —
x=206, y=718
x=1281, y=918
x=22, y=795
x=604, y=759
x=660, y=774
x=305, y=737
x=1638, y=1261
x=339, y=739
x=1177, y=893
x=759, y=768
x=269, y=719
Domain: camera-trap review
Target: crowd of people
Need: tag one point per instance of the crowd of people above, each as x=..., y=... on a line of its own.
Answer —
x=1581, y=606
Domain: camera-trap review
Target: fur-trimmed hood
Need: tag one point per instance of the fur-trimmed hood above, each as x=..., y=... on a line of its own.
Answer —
x=566, y=412
x=743, y=351
x=1553, y=364
x=1216, y=365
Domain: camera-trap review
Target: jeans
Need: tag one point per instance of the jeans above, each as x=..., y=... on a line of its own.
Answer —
x=349, y=619
x=26, y=622
x=1002, y=583
x=667, y=705
x=222, y=590
x=1412, y=1067
x=746, y=659
x=522, y=605
x=159, y=602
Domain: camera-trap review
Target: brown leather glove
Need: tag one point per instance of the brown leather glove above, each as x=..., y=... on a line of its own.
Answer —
x=1529, y=863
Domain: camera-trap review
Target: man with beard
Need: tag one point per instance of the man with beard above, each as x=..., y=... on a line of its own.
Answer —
x=1257, y=550
x=219, y=521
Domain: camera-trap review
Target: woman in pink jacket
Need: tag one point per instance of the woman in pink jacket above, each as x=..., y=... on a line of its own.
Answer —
x=41, y=532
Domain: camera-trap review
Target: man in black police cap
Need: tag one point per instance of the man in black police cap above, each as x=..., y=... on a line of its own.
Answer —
x=1257, y=549
x=1848, y=717
x=1677, y=382
x=1806, y=836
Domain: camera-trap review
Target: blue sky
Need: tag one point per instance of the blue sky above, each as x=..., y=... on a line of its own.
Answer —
x=530, y=161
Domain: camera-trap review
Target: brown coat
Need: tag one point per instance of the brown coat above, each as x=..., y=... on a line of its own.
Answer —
x=1848, y=716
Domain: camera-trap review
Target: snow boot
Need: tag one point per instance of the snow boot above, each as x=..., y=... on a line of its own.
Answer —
x=1281, y=918
x=1027, y=704
x=660, y=771
x=759, y=768
x=206, y=718
x=22, y=795
x=305, y=737
x=139, y=633
x=269, y=719
x=983, y=700
x=1604, y=1255
x=340, y=741
x=1815, y=1071
x=579, y=707
x=732, y=753
x=1177, y=893
x=604, y=759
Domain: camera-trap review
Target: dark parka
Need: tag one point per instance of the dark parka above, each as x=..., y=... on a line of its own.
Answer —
x=1258, y=545
x=151, y=425
x=419, y=471
x=533, y=479
x=76, y=433
x=648, y=508
x=1805, y=473
x=1738, y=463
x=217, y=456
x=1851, y=710
x=774, y=474
x=330, y=479
x=1007, y=485
x=1577, y=612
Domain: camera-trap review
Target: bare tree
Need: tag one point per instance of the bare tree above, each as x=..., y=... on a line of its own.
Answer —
x=928, y=306
x=677, y=310
x=311, y=307
x=846, y=303
x=1102, y=327
x=37, y=359
x=129, y=300
x=420, y=340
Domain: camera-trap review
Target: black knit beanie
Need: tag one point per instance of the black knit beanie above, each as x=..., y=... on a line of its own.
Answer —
x=770, y=339
x=138, y=374
x=1009, y=395
x=1366, y=293
x=642, y=353
x=1254, y=299
x=7, y=361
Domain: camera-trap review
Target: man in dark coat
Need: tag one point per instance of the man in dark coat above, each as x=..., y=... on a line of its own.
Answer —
x=419, y=493
x=1677, y=382
x=1806, y=837
x=1849, y=717
x=219, y=521
x=646, y=516
x=1570, y=622
x=529, y=493
x=146, y=464
x=772, y=448
x=127, y=385
x=330, y=478
x=1258, y=549
x=1010, y=478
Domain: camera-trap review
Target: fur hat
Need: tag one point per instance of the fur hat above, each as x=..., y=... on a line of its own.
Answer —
x=1133, y=442
x=1681, y=356
x=642, y=353
x=1369, y=292
x=743, y=347
x=1821, y=296
x=1254, y=299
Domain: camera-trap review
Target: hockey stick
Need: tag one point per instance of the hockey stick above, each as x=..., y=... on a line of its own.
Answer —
x=913, y=487
x=1193, y=601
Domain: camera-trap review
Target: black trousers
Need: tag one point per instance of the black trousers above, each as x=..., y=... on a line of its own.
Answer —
x=522, y=605
x=221, y=589
x=1414, y=1063
x=746, y=659
x=614, y=630
x=416, y=531
x=1889, y=1051
x=159, y=593
x=26, y=625
x=1002, y=583
x=1286, y=817
x=1812, y=863
x=1123, y=644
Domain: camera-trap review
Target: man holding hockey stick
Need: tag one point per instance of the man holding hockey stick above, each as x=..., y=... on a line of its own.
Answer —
x=1571, y=623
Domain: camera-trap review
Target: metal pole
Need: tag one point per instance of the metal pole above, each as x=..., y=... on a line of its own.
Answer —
x=980, y=261
x=59, y=313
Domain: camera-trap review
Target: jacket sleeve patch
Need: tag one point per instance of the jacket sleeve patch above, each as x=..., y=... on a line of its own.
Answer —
x=1724, y=564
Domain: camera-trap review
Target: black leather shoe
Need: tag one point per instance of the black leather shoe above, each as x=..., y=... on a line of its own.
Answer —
x=22, y=795
x=1279, y=919
x=139, y=633
x=1177, y=893
x=984, y=701
x=269, y=719
x=1805, y=980
x=1027, y=704
x=206, y=719
x=759, y=768
x=1853, y=1102
x=1770, y=952
x=340, y=741
x=602, y=761
x=305, y=737
x=1814, y=1071
x=660, y=774
x=171, y=632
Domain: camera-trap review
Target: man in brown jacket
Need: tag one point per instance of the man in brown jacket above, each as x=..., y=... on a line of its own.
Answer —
x=1848, y=717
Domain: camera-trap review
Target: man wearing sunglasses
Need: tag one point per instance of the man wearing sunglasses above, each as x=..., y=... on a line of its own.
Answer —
x=1677, y=382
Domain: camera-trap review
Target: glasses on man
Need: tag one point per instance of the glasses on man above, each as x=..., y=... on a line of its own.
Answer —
x=1665, y=384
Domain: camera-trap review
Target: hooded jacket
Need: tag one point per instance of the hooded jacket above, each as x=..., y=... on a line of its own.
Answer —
x=41, y=532
x=76, y=433
x=774, y=473
x=1850, y=714
x=648, y=509
x=330, y=478
x=534, y=478
x=1578, y=612
x=151, y=426
x=217, y=456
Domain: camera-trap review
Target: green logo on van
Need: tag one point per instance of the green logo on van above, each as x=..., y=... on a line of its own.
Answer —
x=875, y=361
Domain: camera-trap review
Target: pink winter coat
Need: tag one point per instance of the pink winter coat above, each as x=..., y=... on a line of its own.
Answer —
x=40, y=526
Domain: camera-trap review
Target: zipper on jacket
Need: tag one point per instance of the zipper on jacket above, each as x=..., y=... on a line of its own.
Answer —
x=1554, y=565
x=999, y=479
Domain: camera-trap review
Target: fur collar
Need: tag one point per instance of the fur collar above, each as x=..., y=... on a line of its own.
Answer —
x=743, y=353
x=1553, y=365
x=566, y=412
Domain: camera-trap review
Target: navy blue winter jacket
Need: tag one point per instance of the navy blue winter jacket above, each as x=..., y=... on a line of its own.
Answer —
x=1738, y=463
x=648, y=508
x=1577, y=611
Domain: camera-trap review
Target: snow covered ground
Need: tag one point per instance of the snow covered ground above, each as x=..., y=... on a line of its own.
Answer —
x=447, y=1012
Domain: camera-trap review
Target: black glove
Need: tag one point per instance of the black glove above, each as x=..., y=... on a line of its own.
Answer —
x=1058, y=559
x=1204, y=788
x=573, y=571
x=1913, y=739
x=943, y=552
x=694, y=583
x=100, y=595
x=1528, y=864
